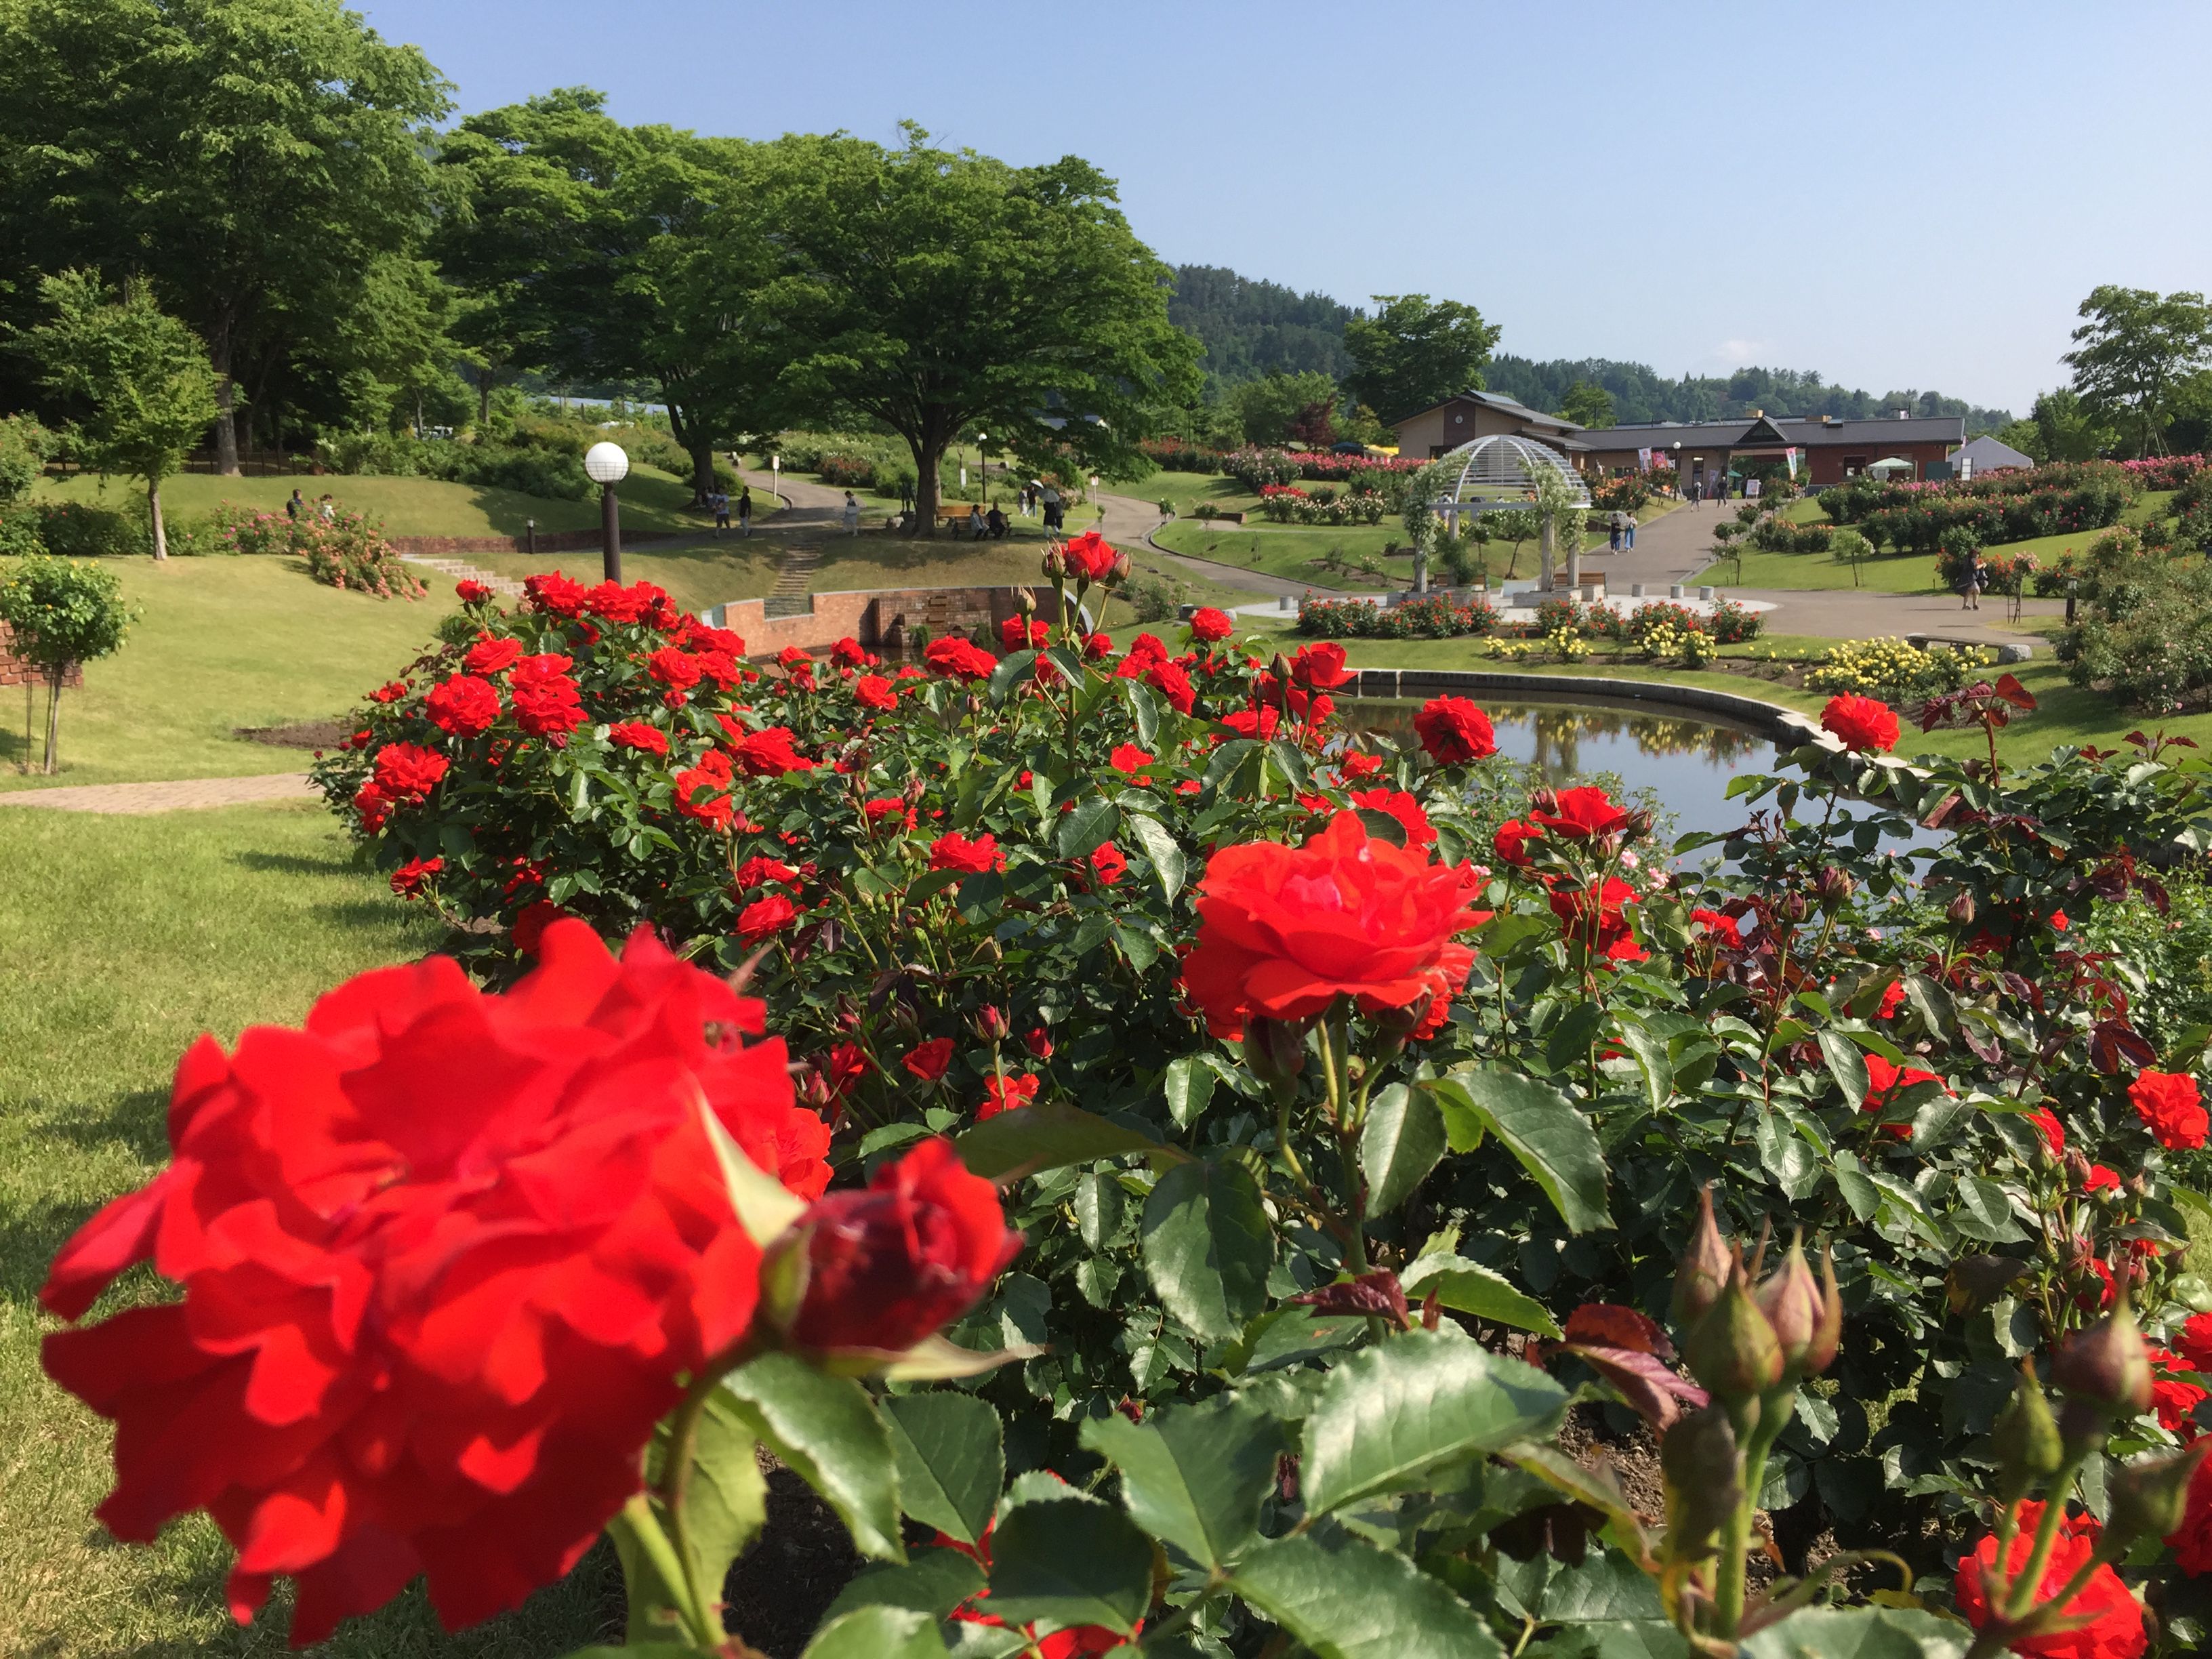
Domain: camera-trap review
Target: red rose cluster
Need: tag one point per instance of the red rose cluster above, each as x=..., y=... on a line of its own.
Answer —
x=2111, y=1621
x=1592, y=912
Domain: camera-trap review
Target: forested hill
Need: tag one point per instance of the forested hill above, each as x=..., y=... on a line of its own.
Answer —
x=1251, y=328
x=1639, y=394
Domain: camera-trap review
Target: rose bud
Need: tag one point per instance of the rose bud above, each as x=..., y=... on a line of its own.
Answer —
x=1704, y=1268
x=884, y=1268
x=1697, y=1456
x=990, y=1023
x=1833, y=887
x=1961, y=909
x=2107, y=1366
x=2078, y=1170
x=1790, y=1299
x=1793, y=908
x=1734, y=1350
x=1275, y=1052
x=1026, y=599
x=2150, y=1495
x=1639, y=824
x=1544, y=800
x=2025, y=1438
x=1118, y=572
x=1055, y=562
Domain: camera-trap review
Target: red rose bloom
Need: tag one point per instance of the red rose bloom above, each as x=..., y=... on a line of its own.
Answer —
x=1353, y=765
x=406, y=771
x=2045, y=1123
x=716, y=810
x=1599, y=922
x=1285, y=931
x=1891, y=1001
x=1108, y=864
x=1720, y=929
x=2194, y=1341
x=555, y=595
x=677, y=670
x=2192, y=1544
x=462, y=707
x=889, y=1266
x=1320, y=666
x=768, y=753
x=848, y=653
x=765, y=918
x=1005, y=1095
x=546, y=701
x=1089, y=558
x=471, y=592
x=1144, y=651
x=874, y=691
x=1510, y=843
x=1171, y=682
x=1397, y=804
x=2167, y=1102
x=1455, y=731
x=1208, y=624
x=1864, y=724
x=635, y=734
x=2102, y=1179
x=954, y=851
x=1584, y=814
x=1130, y=760
x=886, y=807
x=2174, y=1400
x=1259, y=723
x=928, y=1060
x=1015, y=635
x=373, y=806
x=412, y=878
x=612, y=601
x=1885, y=1081
x=1095, y=646
x=389, y=692
x=2116, y=1626
x=1039, y=1042
x=490, y=654
x=958, y=659
x=758, y=871
x=444, y=1257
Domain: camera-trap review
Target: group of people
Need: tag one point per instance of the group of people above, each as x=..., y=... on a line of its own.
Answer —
x=1620, y=531
x=718, y=503
x=982, y=524
x=1037, y=497
x=324, y=508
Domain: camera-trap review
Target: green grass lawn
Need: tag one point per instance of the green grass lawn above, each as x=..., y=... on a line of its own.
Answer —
x=223, y=643
x=653, y=501
x=121, y=939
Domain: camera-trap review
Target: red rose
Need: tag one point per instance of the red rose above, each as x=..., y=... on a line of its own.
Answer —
x=2196, y=1339
x=1259, y=723
x=874, y=691
x=957, y=659
x=1131, y=760
x=1095, y=646
x=391, y=692
x=717, y=809
x=1089, y=558
x=928, y=1059
x=1885, y=1081
x=1891, y=1001
x=635, y=734
x=546, y=702
x=1720, y=929
x=1397, y=804
x=406, y=771
x=1039, y=1042
x=373, y=806
x=1583, y=813
x=1171, y=682
x=1108, y=864
x=758, y=871
x=889, y=1266
x=765, y=918
x=1320, y=666
x=2116, y=1626
x=529, y=929
x=1285, y=931
x=768, y=753
x=1455, y=731
x=612, y=601
x=886, y=807
x=412, y=878
x=847, y=653
x=2174, y=1400
x=677, y=670
x=471, y=592
x=1864, y=724
x=1598, y=921
x=1016, y=634
x=489, y=655
x=2045, y=1123
x=1510, y=843
x=1208, y=624
x=2102, y=1179
x=444, y=1257
x=554, y=594
x=1144, y=651
x=954, y=851
x=462, y=707
x=2192, y=1544
x=1354, y=764
x=2167, y=1102
x=1005, y=1094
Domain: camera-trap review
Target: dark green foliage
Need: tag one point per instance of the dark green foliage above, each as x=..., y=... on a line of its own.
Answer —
x=1251, y=328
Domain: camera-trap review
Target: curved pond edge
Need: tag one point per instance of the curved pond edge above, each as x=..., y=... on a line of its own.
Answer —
x=1766, y=719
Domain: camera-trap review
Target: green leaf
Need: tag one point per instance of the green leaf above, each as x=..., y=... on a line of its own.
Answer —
x=1653, y=1061
x=1163, y=849
x=1046, y=1137
x=1860, y=1633
x=1390, y=1415
x=1099, y=1206
x=1399, y=1143
x=726, y=1503
x=827, y=1429
x=1193, y=1475
x=1623, y=1638
x=1070, y=1561
x=1088, y=827
x=1207, y=1246
x=1846, y=1066
x=1010, y=671
x=933, y=1359
x=765, y=1206
x=1541, y=1127
x=935, y=1582
x=1144, y=710
x=878, y=1633
x=1189, y=1082
x=1785, y=1156
x=951, y=1460
x=644, y=1651
x=1985, y=1212
x=1468, y=1287
x=1345, y=1599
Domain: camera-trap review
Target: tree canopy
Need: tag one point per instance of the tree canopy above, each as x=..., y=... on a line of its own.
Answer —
x=2138, y=356
x=1415, y=351
x=1586, y=404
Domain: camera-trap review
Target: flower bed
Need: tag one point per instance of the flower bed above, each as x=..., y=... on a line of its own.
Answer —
x=1430, y=616
x=1288, y=504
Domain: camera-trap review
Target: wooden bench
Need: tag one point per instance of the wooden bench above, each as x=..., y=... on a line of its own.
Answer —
x=957, y=514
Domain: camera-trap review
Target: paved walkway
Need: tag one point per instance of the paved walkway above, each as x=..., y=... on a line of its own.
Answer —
x=138, y=798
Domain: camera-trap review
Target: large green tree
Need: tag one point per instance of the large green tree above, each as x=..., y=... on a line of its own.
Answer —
x=1266, y=409
x=1415, y=351
x=136, y=380
x=256, y=159
x=2137, y=353
x=1586, y=404
x=937, y=292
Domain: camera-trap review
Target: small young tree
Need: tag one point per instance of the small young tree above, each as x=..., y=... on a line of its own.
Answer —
x=61, y=613
x=138, y=379
x=24, y=445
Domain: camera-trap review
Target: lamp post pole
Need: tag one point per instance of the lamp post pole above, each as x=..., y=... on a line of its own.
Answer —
x=982, y=470
x=606, y=465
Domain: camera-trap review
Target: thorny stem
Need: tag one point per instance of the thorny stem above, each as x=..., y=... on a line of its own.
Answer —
x=1775, y=1408
x=2022, y=1595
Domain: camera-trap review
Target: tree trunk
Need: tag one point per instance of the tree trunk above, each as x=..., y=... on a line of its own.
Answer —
x=161, y=535
x=226, y=407
x=927, y=456
x=695, y=444
x=54, y=679
x=483, y=401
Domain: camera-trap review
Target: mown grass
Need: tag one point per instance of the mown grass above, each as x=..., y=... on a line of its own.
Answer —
x=223, y=643
x=121, y=939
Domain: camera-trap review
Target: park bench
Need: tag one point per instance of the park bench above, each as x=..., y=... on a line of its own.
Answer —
x=956, y=514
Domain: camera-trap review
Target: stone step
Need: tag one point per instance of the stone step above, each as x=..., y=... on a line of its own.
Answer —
x=461, y=570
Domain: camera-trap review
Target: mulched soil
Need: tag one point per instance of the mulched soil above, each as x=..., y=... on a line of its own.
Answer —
x=780, y=1588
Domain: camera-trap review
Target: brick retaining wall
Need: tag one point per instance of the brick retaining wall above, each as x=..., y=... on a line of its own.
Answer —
x=881, y=616
x=15, y=671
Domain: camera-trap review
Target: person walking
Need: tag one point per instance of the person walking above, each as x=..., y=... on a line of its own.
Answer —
x=852, y=514
x=1612, y=532
x=1628, y=532
x=744, y=509
x=329, y=510
x=296, y=506
x=720, y=500
x=1971, y=583
x=1052, y=507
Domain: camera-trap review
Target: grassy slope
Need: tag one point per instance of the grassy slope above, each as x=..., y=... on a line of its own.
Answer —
x=652, y=502
x=223, y=643
x=700, y=575
x=138, y=934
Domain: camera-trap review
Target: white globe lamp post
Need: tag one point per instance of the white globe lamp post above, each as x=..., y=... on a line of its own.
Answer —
x=607, y=465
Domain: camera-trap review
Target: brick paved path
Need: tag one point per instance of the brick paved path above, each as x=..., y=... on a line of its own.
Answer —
x=137, y=798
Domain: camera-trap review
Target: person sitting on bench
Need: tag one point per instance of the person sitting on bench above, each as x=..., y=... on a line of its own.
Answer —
x=997, y=520
x=977, y=528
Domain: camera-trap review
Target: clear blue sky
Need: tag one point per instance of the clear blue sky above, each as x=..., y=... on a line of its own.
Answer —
x=1895, y=195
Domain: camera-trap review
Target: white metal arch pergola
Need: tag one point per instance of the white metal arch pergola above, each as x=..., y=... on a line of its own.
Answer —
x=1500, y=471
